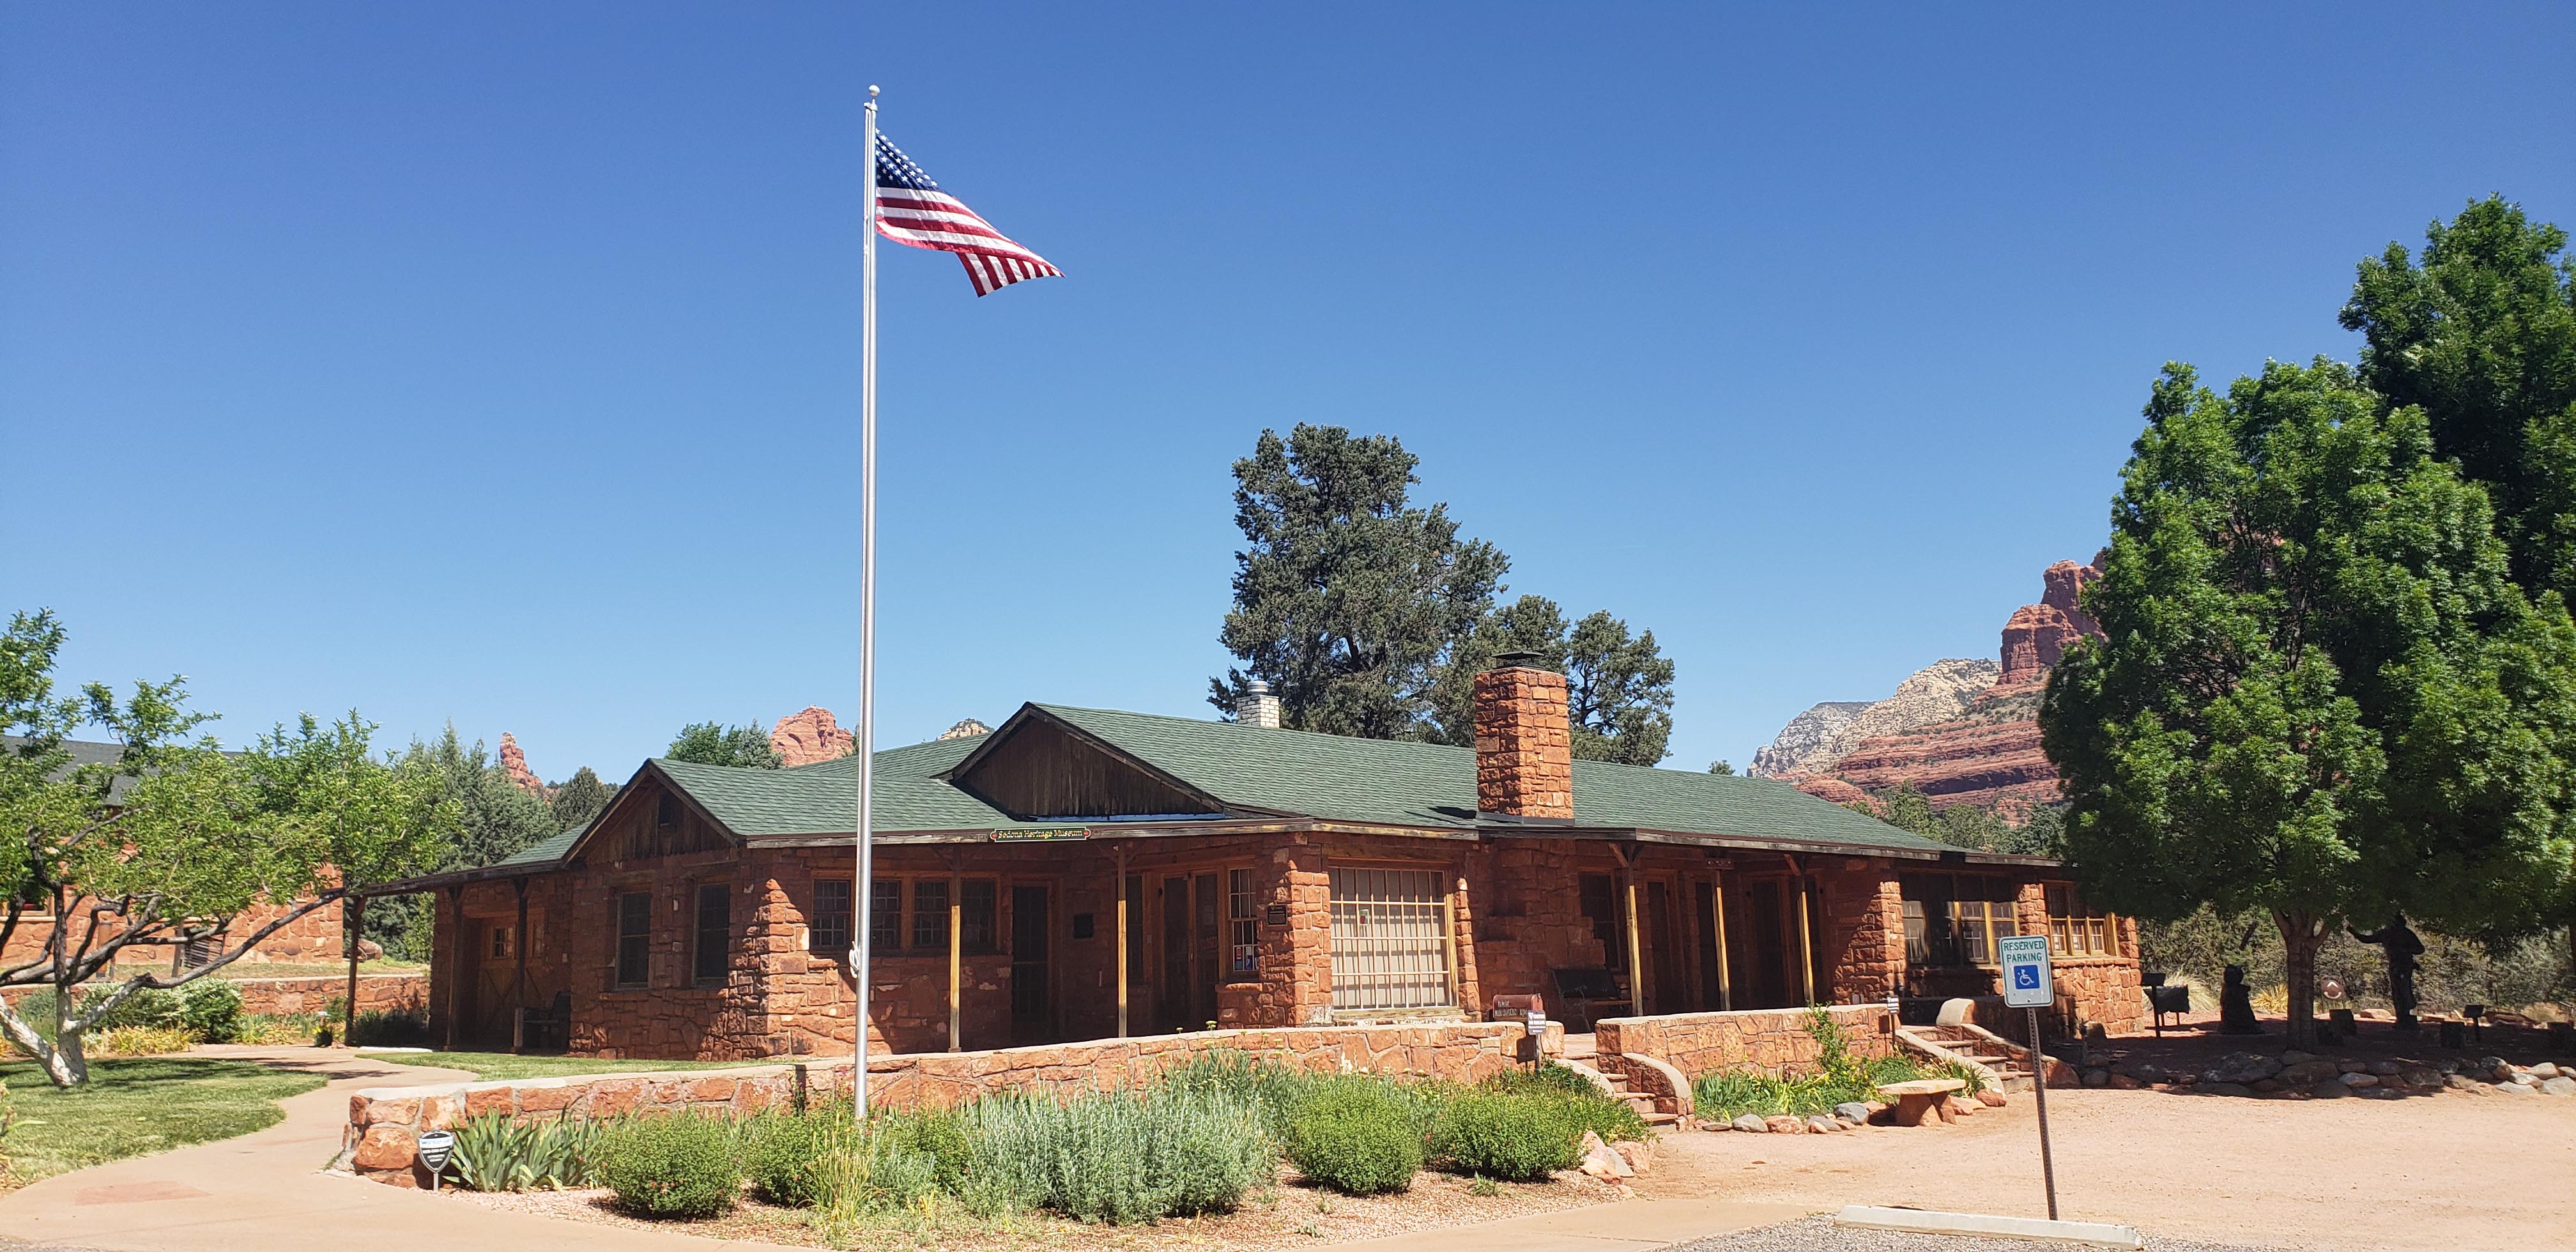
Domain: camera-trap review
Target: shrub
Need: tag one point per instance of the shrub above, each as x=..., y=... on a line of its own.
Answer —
x=677, y=1166
x=149, y=1006
x=1356, y=1139
x=387, y=1029
x=1585, y=1104
x=144, y=1041
x=873, y=1173
x=1514, y=1136
x=940, y=1135
x=786, y=1154
x=1118, y=1157
x=211, y=1009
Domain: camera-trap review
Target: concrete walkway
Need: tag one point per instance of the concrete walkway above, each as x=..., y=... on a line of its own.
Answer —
x=267, y=1192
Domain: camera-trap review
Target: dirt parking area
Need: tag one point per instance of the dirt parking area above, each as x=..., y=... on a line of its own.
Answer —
x=2450, y=1171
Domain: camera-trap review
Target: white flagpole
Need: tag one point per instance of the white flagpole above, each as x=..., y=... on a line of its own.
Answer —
x=863, y=887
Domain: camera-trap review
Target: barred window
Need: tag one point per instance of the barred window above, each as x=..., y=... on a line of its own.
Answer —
x=1390, y=939
x=827, y=931
x=715, y=932
x=634, y=938
x=978, y=922
x=930, y=914
x=1243, y=920
x=2074, y=929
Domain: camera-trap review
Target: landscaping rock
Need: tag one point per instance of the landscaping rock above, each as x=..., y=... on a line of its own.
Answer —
x=2309, y=1073
x=2329, y=1089
x=2270, y=1085
x=1640, y=1157
x=1785, y=1125
x=2097, y=1078
x=1955, y=1108
x=2447, y=1065
x=1819, y=1124
x=2420, y=1077
x=2151, y=1074
x=2359, y=1080
x=2546, y=1070
x=1852, y=1111
x=2562, y=1085
x=2516, y=1088
x=2386, y=1069
x=1602, y=1163
x=1751, y=1122
x=2492, y=1068
x=2458, y=1082
x=1991, y=1098
x=2240, y=1069
x=2225, y=1089
x=2296, y=1057
x=2353, y=1067
x=2123, y=1082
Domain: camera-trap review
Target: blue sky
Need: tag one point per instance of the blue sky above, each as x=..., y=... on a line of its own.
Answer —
x=498, y=363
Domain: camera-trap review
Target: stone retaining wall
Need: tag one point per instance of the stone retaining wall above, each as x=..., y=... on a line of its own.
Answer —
x=385, y=1122
x=1774, y=1040
x=377, y=993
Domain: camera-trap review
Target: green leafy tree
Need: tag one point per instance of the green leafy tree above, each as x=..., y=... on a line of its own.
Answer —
x=712, y=743
x=173, y=840
x=2320, y=695
x=1347, y=599
x=581, y=798
x=1726, y=768
x=1619, y=687
x=496, y=818
x=2480, y=333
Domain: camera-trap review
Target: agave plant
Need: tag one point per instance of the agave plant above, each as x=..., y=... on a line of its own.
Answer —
x=494, y=1153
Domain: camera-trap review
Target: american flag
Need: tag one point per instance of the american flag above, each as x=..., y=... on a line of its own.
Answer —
x=912, y=210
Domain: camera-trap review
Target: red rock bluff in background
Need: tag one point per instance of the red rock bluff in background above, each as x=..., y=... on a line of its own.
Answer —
x=515, y=764
x=1988, y=754
x=810, y=736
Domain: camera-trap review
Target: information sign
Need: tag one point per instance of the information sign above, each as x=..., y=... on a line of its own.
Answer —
x=2026, y=981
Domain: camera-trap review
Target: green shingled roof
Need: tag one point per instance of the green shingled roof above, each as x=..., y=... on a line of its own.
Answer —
x=1329, y=777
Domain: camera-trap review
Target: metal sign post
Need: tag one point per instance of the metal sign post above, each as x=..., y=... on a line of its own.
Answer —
x=2028, y=985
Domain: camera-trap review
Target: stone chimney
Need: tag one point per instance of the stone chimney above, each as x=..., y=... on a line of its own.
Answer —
x=1257, y=707
x=1524, y=747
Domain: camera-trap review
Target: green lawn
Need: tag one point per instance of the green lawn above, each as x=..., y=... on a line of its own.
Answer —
x=134, y=1107
x=496, y=1065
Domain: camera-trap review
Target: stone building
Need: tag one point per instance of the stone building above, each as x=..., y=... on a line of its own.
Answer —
x=1082, y=874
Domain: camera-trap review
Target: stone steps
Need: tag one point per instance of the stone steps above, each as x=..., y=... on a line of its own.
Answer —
x=1581, y=1047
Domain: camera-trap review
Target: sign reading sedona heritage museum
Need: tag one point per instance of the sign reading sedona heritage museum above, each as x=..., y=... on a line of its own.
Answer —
x=1041, y=835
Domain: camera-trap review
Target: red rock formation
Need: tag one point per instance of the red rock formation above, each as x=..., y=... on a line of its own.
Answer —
x=2038, y=634
x=808, y=737
x=1990, y=755
x=515, y=764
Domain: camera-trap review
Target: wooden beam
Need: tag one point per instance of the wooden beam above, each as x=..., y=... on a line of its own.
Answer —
x=956, y=959
x=1120, y=889
x=461, y=952
x=1806, y=941
x=1636, y=954
x=519, y=980
x=1717, y=897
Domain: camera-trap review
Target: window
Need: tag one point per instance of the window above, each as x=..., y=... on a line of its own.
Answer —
x=1600, y=898
x=885, y=914
x=930, y=915
x=634, y=938
x=1954, y=919
x=666, y=810
x=500, y=942
x=827, y=930
x=713, y=950
x=978, y=931
x=2075, y=929
x=1243, y=921
x=1390, y=939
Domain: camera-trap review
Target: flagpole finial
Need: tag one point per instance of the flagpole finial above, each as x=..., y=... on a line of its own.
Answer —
x=872, y=91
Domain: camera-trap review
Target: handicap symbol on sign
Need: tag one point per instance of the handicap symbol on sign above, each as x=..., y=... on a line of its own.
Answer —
x=2026, y=977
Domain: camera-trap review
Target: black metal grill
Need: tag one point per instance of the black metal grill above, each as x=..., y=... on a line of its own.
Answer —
x=2174, y=999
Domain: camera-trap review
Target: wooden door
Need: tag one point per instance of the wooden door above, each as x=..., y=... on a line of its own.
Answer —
x=1712, y=995
x=1172, y=1007
x=1032, y=971
x=1665, y=985
x=1207, y=954
x=1757, y=929
x=494, y=1008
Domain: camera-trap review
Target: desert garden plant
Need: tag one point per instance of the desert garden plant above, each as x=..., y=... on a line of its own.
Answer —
x=681, y=1165
x=1512, y=1136
x=1355, y=1138
x=1117, y=1157
x=494, y=1153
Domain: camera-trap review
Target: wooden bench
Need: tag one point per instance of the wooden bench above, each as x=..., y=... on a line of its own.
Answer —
x=1914, y=1102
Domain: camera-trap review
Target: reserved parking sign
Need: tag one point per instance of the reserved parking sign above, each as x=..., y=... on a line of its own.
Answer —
x=2026, y=978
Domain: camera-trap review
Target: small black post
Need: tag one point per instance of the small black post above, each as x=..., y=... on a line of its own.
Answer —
x=2039, y=1092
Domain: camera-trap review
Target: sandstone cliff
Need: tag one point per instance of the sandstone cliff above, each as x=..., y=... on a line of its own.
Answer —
x=1817, y=738
x=515, y=763
x=810, y=736
x=1803, y=740
x=1983, y=747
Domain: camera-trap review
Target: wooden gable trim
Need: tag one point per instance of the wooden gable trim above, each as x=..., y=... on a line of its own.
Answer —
x=957, y=775
x=626, y=797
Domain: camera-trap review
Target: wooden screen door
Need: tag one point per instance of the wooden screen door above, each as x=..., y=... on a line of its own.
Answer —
x=1032, y=1015
x=1757, y=930
x=1664, y=989
x=1173, y=1006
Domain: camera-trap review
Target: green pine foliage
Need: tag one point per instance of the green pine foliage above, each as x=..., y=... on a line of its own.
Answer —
x=580, y=798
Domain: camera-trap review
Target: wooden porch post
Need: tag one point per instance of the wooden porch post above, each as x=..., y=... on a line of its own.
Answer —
x=1717, y=910
x=1636, y=955
x=461, y=951
x=956, y=960
x=519, y=986
x=1119, y=888
x=1806, y=939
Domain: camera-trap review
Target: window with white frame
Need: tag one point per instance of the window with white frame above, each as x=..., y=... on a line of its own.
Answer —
x=1390, y=939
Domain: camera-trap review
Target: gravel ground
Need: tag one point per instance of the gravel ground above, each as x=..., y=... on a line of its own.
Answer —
x=1820, y=1234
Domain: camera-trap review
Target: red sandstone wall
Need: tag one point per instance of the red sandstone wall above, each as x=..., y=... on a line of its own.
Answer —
x=377, y=993
x=312, y=938
x=1774, y=1040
